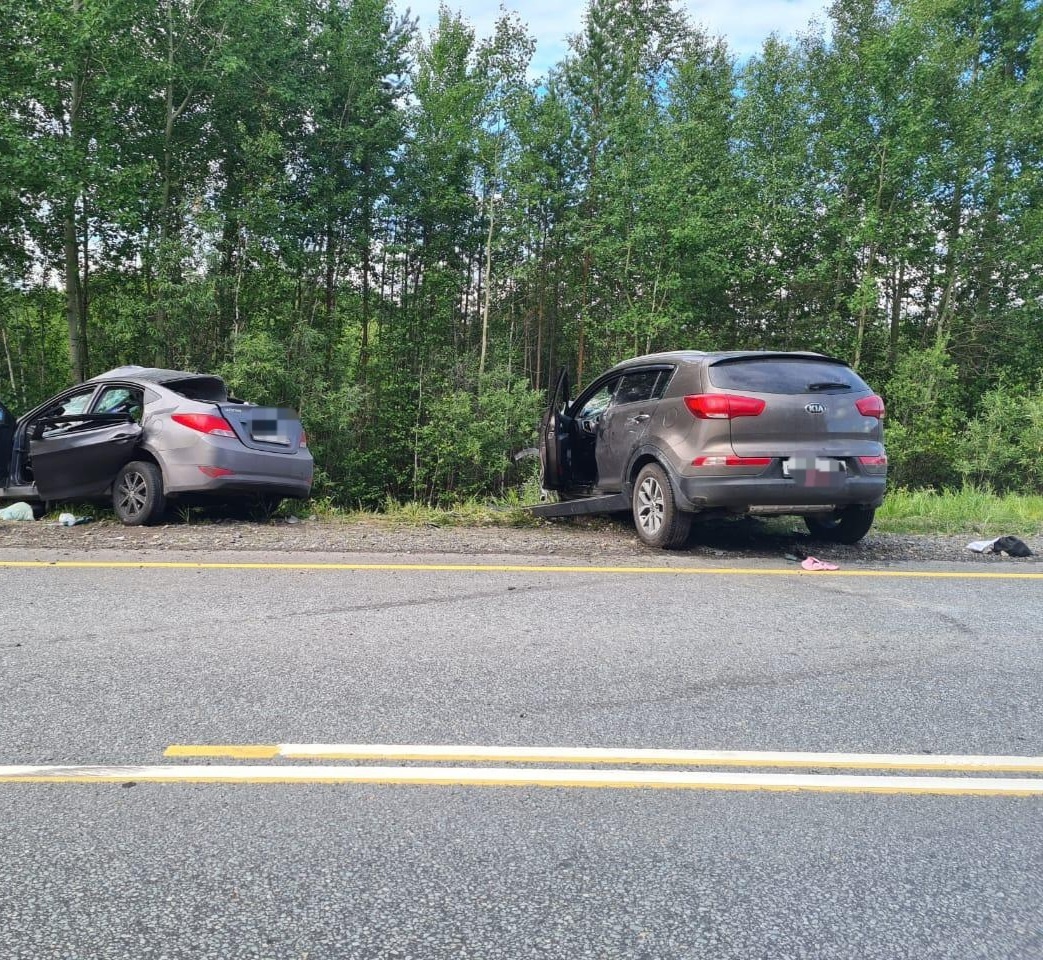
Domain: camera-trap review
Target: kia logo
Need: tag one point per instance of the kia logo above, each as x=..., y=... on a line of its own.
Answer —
x=815, y=408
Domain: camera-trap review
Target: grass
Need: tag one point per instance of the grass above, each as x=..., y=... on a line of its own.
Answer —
x=468, y=513
x=969, y=510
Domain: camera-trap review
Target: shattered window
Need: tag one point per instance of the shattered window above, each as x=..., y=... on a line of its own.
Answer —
x=127, y=400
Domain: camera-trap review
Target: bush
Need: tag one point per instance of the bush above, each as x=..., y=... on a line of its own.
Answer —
x=923, y=418
x=1002, y=447
x=465, y=445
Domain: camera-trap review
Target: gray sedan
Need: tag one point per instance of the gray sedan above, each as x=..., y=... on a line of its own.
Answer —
x=144, y=437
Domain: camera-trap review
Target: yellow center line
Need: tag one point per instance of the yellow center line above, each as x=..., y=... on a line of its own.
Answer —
x=510, y=777
x=513, y=568
x=442, y=753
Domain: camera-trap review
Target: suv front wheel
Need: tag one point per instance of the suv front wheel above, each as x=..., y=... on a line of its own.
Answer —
x=659, y=522
x=845, y=526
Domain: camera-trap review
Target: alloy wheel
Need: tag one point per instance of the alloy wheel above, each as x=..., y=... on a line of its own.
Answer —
x=650, y=505
x=133, y=493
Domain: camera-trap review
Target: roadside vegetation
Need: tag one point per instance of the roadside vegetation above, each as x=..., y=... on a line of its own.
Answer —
x=404, y=235
x=973, y=511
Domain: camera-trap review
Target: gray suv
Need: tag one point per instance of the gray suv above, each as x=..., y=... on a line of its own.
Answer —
x=672, y=436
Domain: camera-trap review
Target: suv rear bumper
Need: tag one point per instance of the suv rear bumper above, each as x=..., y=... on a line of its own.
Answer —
x=702, y=493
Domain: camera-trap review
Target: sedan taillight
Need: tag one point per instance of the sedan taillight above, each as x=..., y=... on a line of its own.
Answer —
x=880, y=461
x=723, y=406
x=205, y=423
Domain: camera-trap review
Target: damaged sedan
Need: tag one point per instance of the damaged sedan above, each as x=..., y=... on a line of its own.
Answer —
x=146, y=437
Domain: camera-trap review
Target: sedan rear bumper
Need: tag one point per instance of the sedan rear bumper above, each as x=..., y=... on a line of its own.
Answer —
x=225, y=471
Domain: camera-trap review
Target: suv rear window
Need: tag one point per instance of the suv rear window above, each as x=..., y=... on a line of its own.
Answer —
x=788, y=375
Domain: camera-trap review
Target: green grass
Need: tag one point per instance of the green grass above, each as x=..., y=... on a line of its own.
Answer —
x=468, y=513
x=971, y=510
x=974, y=510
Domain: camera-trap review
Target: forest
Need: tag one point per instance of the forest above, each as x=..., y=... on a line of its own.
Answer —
x=403, y=234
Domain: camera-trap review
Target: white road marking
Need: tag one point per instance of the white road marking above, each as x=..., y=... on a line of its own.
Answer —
x=433, y=753
x=514, y=777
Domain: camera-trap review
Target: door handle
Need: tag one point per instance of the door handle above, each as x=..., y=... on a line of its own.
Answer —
x=640, y=418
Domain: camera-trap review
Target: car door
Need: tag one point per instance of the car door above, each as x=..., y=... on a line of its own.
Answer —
x=76, y=452
x=625, y=423
x=555, y=432
x=7, y=425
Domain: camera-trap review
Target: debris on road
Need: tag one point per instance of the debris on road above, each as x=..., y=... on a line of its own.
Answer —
x=71, y=520
x=813, y=563
x=1007, y=546
x=17, y=511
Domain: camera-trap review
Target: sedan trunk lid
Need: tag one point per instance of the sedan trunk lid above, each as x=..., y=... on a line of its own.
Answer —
x=275, y=429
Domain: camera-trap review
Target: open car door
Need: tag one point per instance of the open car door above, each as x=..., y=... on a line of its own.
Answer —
x=80, y=455
x=555, y=455
x=7, y=425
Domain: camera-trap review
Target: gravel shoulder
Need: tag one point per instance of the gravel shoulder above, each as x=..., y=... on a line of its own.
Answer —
x=581, y=538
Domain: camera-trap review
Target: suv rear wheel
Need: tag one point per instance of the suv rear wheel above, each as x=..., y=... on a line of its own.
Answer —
x=658, y=521
x=845, y=526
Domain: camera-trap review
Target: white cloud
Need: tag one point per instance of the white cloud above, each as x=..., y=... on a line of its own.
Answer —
x=744, y=24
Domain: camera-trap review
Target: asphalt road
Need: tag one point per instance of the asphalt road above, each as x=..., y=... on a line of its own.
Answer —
x=112, y=665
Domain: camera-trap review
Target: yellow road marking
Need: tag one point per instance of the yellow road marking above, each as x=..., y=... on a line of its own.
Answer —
x=434, y=753
x=510, y=777
x=511, y=568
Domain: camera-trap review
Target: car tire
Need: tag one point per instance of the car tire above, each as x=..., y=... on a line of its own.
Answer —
x=657, y=518
x=845, y=526
x=137, y=494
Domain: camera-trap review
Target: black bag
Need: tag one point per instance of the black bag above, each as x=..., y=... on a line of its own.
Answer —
x=1012, y=547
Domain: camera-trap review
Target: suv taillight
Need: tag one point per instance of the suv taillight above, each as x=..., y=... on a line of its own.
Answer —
x=723, y=406
x=205, y=423
x=731, y=461
x=870, y=406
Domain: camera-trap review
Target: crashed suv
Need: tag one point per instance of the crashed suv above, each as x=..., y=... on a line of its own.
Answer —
x=146, y=436
x=674, y=436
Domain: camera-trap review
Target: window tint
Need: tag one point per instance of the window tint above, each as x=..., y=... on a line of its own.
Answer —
x=788, y=375
x=637, y=386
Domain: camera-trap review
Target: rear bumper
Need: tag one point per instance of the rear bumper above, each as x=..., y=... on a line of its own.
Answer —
x=741, y=493
x=251, y=472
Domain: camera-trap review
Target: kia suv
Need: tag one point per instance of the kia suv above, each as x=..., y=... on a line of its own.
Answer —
x=675, y=436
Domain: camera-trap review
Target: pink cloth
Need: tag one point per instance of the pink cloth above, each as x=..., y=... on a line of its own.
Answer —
x=813, y=563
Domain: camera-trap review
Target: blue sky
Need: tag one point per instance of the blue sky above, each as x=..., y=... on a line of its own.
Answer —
x=744, y=24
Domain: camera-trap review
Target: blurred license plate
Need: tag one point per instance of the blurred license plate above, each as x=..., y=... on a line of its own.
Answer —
x=815, y=471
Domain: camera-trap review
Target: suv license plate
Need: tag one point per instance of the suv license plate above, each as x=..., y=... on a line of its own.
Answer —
x=815, y=471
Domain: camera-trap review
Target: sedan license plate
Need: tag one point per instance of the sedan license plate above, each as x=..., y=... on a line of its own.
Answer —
x=815, y=471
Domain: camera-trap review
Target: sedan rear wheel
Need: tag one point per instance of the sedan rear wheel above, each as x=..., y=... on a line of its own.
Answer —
x=137, y=494
x=659, y=523
x=845, y=526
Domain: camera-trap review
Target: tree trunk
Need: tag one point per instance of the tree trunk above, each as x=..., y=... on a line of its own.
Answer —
x=488, y=293
x=74, y=299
